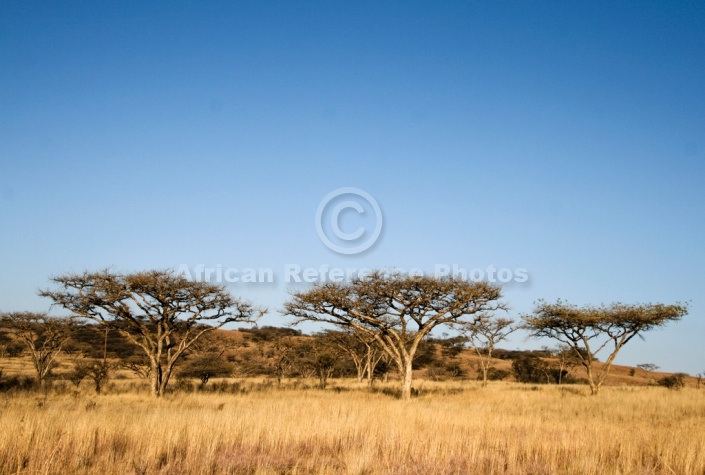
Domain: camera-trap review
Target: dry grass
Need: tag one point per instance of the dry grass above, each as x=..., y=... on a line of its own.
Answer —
x=452, y=428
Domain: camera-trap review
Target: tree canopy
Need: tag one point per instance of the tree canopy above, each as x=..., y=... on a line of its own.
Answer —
x=397, y=310
x=591, y=329
x=42, y=335
x=162, y=313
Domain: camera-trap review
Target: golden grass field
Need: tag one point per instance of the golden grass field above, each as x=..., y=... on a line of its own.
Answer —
x=451, y=428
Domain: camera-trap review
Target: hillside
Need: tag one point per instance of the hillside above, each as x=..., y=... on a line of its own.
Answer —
x=259, y=352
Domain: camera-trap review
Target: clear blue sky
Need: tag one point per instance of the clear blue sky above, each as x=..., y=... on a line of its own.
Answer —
x=567, y=138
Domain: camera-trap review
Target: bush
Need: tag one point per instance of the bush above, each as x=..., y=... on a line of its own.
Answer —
x=494, y=374
x=425, y=355
x=269, y=333
x=502, y=354
x=183, y=385
x=674, y=381
x=17, y=383
x=450, y=347
x=14, y=350
x=205, y=367
x=95, y=370
x=531, y=369
x=440, y=370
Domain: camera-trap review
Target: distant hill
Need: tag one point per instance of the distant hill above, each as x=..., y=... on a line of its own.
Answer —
x=257, y=351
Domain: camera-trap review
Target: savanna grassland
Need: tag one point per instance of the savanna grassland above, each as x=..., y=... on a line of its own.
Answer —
x=254, y=427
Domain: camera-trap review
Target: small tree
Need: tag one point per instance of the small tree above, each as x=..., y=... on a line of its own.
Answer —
x=647, y=368
x=302, y=355
x=567, y=358
x=206, y=366
x=217, y=343
x=99, y=373
x=79, y=373
x=42, y=336
x=597, y=327
x=138, y=364
x=675, y=381
x=5, y=342
x=484, y=333
x=496, y=374
x=324, y=363
x=160, y=312
x=397, y=310
x=284, y=358
x=531, y=369
x=362, y=349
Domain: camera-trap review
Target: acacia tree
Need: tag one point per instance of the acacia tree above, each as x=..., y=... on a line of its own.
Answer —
x=647, y=368
x=96, y=370
x=215, y=342
x=588, y=330
x=567, y=358
x=362, y=349
x=206, y=366
x=323, y=359
x=484, y=333
x=284, y=358
x=5, y=343
x=138, y=364
x=43, y=337
x=397, y=310
x=162, y=313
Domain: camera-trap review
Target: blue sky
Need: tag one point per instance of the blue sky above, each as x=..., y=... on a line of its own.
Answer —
x=566, y=138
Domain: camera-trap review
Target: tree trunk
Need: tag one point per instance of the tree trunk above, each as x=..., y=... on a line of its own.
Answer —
x=594, y=389
x=369, y=368
x=155, y=379
x=485, y=368
x=360, y=369
x=406, y=381
x=370, y=373
x=165, y=376
x=41, y=366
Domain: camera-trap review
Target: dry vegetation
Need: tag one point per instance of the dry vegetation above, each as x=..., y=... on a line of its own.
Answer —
x=450, y=428
x=253, y=426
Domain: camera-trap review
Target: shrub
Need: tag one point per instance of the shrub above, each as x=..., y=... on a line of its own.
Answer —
x=441, y=371
x=205, y=367
x=495, y=374
x=17, y=383
x=675, y=381
x=269, y=333
x=531, y=369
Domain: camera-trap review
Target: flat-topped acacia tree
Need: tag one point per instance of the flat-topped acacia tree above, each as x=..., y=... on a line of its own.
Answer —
x=42, y=335
x=396, y=310
x=588, y=330
x=162, y=313
x=484, y=333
